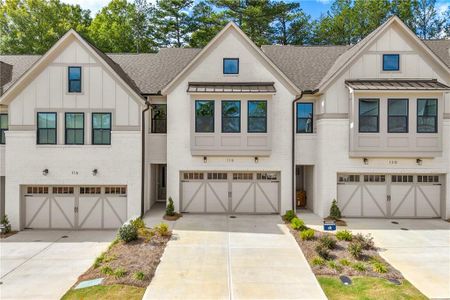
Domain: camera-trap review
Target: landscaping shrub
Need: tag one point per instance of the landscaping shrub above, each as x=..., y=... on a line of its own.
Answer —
x=298, y=224
x=139, y=275
x=170, y=208
x=113, y=243
x=307, y=234
x=6, y=224
x=355, y=249
x=345, y=262
x=146, y=233
x=359, y=266
x=333, y=265
x=379, y=267
x=318, y=261
x=335, y=212
x=128, y=233
x=162, y=229
x=327, y=241
x=99, y=260
x=344, y=235
x=290, y=214
x=138, y=223
x=322, y=252
x=365, y=241
x=107, y=270
x=119, y=273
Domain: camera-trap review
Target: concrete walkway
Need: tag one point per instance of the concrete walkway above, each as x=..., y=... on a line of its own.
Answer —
x=218, y=257
x=38, y=264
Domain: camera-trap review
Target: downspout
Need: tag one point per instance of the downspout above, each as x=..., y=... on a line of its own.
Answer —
x=147, y=107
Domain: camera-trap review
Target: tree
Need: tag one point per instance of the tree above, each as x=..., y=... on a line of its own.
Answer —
x=33, y=26
x=447, y=23
x=291, y=25
x=206, y=23
x=405, y=9
x=428, y=22
x=369, y=15
x=142, y=26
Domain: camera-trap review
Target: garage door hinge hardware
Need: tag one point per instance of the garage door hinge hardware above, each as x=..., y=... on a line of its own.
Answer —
x=388, y=197
x=75, y=209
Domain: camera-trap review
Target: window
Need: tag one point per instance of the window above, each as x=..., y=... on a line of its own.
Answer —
x=242, y=176
x=74, y=79
x=37, y=190
x=101, y=129
x=63, y=190
x=74, y=128
x=116, y=190
x=217, y=176
x=204, y=116
x=428, y=178
x=391, y=62
x=46, y=131
x=3, y=127
x=305, y=117
x=193, y=176
x=231, y=116
x=427, y=115
x=93, y=190
x=231, y=66
x=369, y=115
x=257, y=116
x=397, y=115
x=267, y=176
x=402, y=178
x=349, y=178
x=159, y=118
x=374, y=178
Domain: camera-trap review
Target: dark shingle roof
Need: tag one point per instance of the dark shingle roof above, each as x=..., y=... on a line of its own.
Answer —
x=441, y=48
x=20, y=63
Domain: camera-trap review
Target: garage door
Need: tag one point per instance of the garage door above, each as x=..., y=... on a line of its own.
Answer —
x=230, y=192
x=385, y=196
x=75, y=207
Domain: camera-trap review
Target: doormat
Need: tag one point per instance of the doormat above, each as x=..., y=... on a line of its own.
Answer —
x=89, y=283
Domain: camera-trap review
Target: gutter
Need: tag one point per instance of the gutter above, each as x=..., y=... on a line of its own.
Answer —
x=147, y=107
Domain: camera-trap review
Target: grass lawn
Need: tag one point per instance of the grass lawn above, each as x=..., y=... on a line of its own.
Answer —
x=368, y=288
x=106, y=292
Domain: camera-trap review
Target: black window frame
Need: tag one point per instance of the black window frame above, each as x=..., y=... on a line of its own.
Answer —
x=38, y=129
x=248, y=116
x=303, y=118
x=3, y=130
x=359, y=115
x=73, y=129
x=390, y=100
x=101, y=129
x=428, y=116
x=398, y=62
x=155, y=120
x=223, y=117
x=230, y=58
x=70, y=80
x=213, y=116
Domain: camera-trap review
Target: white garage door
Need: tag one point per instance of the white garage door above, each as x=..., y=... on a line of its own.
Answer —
x=378, y=195
x=75, y=207
x=230, y=192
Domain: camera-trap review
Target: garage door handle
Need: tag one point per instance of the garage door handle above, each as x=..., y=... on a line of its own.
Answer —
x=388, y=198
x=75, y=209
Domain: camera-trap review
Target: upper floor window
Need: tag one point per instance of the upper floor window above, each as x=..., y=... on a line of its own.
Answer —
x=74, y=79
x=74, y=124
x=305, y=117
x=3, y=127
x=231, y=116
x=101, y=129
x=231, y=66
x=391, y=62
x=369, y=115
x=257, y=116
x=204, y=116
x=427, y=115
x=397, y=115
x=46, y=128
x=159, y=118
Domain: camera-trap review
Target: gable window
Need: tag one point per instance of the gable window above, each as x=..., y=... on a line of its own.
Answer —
x=257, y=116
x=397, y=115
x=74, y=128
x=305, y=117
x=369, y=115
x=74, y=76
x=101, y=129
x=159, y=118
x=231, y=116
x=391, y=62
x=3, y=127
x=231, y=66
x=46, y=128
x=204, y=116
x=427, y=115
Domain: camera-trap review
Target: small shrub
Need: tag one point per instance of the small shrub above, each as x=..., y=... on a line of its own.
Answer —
x=162, y=229
x=119, y=273
x=318, y=261
x=335, y=212
x=359, y=266
x=366, y=241
x=139, y=276
x=6, y=224
x=333, y=265
x=107, y=270
x=345, y=262
x=355, y=249
x=290, y=214
x=170, y=208
x=128, y=233
x=298, y=224
x=113, y=243
x=379, y=267
x=322, y=252
x=99, y=260
x=138, y=223
x=146, y=234
x=307, y=235
x=327, y=242
x=344, y=235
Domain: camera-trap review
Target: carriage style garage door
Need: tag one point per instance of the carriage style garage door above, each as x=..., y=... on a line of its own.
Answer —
x=389, y=196
x=230, y=192
x=75, y=207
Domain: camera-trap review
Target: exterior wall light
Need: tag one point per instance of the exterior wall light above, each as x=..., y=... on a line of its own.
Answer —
x=366, y=160
x=419, y=162
x=94, y=172
x=205, y=159
x=256, y=159
x=45, y=172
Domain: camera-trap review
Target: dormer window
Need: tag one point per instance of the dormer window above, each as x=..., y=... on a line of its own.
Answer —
x=391, y=62
x=231, y=66
x=74, y=76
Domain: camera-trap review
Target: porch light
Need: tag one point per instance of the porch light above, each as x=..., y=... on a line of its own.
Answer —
x=419, y=162
x=256, y=159
x=205, y=159
x=366, y=160
x=94, y=172
x=45, y=172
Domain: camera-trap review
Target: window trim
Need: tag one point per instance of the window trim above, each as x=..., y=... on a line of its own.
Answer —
x=359, y=115
x=2, y=130
x=152, y=129
x=248, y=116
x=312, y=118
x=407, y=114
x=213, y=116
x=110, y=128
x=69, y=80
x=240, y=115
x=391, y=54
x=77, y=129
x=56, y=127
x=435, y=117
x=230, y=58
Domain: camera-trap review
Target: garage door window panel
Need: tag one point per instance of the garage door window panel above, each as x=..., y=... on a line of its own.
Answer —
x=257, y=116
x=3, y=127
x=369, y=115
x=74, y=124
x=101, y=128
x=427, y=115
x=397, y=115
x=204, y=116
x=231, y=116
x=46, y=128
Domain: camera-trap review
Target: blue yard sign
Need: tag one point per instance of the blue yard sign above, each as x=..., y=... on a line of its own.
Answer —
x=329, y=225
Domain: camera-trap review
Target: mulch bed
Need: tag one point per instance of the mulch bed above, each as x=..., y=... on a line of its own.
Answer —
x=175, y=217
x=5, y=235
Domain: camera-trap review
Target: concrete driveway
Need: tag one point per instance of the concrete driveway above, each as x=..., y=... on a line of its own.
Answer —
x=218, y=257
x=38, y=264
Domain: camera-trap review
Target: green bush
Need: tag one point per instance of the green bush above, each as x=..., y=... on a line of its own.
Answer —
x=290, y=214
x=146, y=233
x=327, y=241
x=162, y=229
x=366, y=241
x=119, y=273
x=138, y=223
x=323, y=252
x=170, y=208
x=345, y=262
x=318, y=261
x=333, y=265
x=344, y=235
x=128, y=233
x=6, y=224
x=335, y=212
x=107, y=270
x=139, y=276
x=298, y=224
x=379, y=267
x=355, y=249
x=359, y=266
x=307, y=235
x=99, y=260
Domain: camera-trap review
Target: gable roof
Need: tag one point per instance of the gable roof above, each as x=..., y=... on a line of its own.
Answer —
x=441, y=48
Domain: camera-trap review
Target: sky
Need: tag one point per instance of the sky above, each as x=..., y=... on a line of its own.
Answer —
x=312, y=7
